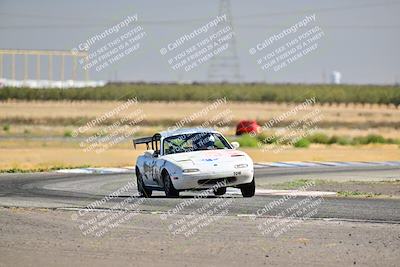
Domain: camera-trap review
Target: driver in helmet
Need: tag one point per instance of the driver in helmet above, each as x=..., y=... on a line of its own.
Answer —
x=206, y=142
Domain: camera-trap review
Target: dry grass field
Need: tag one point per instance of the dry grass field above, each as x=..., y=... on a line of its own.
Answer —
x=158, y=111
x=33, y=134
x=35, y=116
x=31, y=154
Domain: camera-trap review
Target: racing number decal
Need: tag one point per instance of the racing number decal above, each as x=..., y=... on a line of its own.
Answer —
x=156, y=172
x=147, y=170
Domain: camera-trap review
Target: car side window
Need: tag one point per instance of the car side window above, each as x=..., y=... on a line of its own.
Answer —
x=174, y=146
x=218, y=143
x=167, y=148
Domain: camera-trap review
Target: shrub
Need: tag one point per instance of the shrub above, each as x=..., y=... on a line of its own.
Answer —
x=303, y=142
x=247, y=141
x=68, y=133
x=359, y=140
x=334, y=139
x=393, y=141
x=266, y=139
x=374, y=138
x=369, y=139
x=6, y=128
x=318, y=138
x=341, y=140
x=344, y=141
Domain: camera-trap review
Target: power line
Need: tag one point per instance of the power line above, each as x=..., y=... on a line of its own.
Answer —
x=258, y=25
x=181, y=22
x=345, y=27
x=322, y=9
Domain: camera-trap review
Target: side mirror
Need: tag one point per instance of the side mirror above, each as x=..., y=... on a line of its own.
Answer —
x=149, y=153
x=235, y=145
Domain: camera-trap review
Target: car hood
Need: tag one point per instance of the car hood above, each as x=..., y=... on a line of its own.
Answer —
x=207, y=157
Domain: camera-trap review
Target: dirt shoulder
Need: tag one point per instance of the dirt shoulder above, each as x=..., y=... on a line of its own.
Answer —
x=43, y=238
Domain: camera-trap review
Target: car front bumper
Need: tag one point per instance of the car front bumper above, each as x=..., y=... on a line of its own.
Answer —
x=205, y=180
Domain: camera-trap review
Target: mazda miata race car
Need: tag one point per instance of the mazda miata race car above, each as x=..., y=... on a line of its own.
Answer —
x=192, y=159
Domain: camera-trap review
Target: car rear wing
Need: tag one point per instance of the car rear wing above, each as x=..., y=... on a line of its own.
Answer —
x=147, y=140
x=143, y=140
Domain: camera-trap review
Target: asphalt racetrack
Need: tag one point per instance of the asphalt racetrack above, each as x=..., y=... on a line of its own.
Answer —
x=43, y=222
x=69, y=190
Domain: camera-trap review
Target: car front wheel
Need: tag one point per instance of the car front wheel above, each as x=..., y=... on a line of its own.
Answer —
x=248, y=190
x=169, y=188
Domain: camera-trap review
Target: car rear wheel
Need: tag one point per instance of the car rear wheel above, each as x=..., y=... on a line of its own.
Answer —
x=248, y=190
x=169, y=188
x=143, y=190
x=220, y=191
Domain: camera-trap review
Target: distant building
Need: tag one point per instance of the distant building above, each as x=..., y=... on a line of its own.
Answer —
x=336, y=77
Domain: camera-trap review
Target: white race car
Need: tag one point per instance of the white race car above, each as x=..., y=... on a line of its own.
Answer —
x=192, y=159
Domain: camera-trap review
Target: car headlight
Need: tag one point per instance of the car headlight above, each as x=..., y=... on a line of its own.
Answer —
x=190, y=170
x=239, y=166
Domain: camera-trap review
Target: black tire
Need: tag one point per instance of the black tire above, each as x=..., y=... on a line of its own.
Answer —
x=220, y=191
x=169, y=188
x=143, y=190
x=248, y=190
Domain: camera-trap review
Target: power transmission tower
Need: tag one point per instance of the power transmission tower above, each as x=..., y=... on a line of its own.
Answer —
x=224, y=67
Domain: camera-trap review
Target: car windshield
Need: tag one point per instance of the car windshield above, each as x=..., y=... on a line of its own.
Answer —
x=194, y=142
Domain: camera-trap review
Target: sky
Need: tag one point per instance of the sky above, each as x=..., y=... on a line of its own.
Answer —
x=360, y=39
